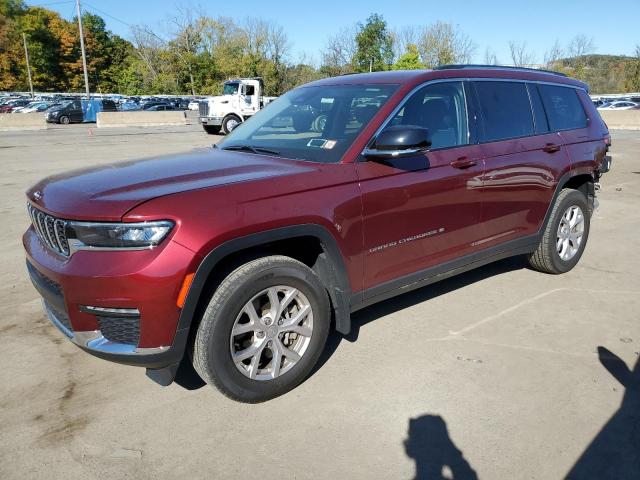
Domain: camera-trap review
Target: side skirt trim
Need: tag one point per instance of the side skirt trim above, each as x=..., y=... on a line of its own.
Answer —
x=445, y=270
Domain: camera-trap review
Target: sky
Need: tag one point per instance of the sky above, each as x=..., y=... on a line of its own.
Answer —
x=613, y=25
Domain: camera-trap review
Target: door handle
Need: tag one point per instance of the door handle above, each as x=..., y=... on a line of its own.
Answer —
x=463, y=162
x=551, y=148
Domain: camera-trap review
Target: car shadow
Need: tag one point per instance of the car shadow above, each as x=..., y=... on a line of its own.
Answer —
x=615, y=452
x=362, y=317
x=189, y=379
x=434, y=453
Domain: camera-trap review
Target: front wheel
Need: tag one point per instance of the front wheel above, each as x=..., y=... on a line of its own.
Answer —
x=229, y=123
x=64, y=120
x=263, y=330
x=565, y=234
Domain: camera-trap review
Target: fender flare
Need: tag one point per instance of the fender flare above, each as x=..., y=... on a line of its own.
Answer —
x=339, y=289
x=564, y=179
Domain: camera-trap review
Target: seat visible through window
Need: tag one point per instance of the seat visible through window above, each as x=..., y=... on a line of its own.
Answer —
x=440, y=108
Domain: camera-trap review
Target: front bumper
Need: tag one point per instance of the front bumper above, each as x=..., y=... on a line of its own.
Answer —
x=143, y=282
x=215, y=121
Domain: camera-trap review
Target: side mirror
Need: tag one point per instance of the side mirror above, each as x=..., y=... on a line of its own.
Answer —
x=400, y=141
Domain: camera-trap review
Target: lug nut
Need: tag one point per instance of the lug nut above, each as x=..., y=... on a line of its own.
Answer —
x=260, y=334
x=280, y=322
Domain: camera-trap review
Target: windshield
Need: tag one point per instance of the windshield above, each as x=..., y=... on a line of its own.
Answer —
x=230, y=88
x=311, y=123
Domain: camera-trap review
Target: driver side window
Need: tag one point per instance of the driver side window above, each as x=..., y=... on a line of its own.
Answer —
x=440, y=107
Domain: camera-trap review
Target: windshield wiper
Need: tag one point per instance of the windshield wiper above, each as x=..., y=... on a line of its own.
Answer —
x=249, y=148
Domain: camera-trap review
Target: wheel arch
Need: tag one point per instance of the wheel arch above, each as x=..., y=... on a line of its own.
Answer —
x=307, y=239
x=582, y=181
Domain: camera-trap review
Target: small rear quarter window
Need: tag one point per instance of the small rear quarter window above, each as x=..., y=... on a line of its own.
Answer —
x=563, y=107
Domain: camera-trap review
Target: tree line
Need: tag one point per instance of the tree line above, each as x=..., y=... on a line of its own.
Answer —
x=198, y=52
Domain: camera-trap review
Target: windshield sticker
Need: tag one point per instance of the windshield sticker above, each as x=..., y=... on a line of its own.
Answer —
x=329, y=144
x=317, y=142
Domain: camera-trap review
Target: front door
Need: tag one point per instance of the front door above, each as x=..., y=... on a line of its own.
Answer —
x=421, y=211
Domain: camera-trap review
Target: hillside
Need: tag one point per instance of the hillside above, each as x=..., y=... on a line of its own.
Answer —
x=603, y=73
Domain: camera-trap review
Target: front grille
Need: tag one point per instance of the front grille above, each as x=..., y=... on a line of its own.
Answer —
x=203, y=108
x=120, y=330
x=51, y=230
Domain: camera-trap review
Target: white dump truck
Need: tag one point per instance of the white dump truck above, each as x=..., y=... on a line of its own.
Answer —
x=240, y=99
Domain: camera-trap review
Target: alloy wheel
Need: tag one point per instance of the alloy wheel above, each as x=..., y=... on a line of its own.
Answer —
x=271, y=333
x=570, y=233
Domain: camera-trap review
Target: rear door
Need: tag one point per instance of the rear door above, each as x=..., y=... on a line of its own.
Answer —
x=523, y=160
x=75, y=111
x=567, y=116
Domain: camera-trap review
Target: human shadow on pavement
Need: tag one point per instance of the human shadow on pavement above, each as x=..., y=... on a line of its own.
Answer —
x=615, y=452
x=435, y=454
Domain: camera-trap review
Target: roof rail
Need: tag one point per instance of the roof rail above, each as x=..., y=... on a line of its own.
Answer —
x=497, y=67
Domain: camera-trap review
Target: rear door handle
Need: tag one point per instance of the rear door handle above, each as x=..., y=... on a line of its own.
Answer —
x=551, y=148
x=463, y=162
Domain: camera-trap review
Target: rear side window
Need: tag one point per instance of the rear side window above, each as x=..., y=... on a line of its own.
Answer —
x=506, y=111
x=563, y=107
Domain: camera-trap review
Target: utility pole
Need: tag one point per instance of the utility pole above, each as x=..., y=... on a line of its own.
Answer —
x=84, y=56
x=26, y=55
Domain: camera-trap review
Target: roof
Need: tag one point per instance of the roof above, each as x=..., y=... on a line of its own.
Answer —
x=449, y=71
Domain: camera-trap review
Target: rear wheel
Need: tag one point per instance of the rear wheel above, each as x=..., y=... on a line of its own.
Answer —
x=229, y=123
x=211, y=129
x=263, y=330
x=64, y=120
x=565, y=235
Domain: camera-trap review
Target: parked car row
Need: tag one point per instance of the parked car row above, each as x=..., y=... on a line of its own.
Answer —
x=14, y=103
x=619, y=105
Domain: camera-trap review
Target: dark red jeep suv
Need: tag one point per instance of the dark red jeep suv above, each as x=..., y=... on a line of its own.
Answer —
x=339, y=194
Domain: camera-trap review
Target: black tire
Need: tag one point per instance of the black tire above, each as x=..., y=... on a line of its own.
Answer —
x=64, y=120
x=546, y=257
x=212, y=350
x=227, y=123
x=212, y=129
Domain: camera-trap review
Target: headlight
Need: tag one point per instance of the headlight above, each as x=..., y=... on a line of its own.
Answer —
x=100, y=236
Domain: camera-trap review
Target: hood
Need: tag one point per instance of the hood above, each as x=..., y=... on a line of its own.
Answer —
x=221, y=98
x=108, y=192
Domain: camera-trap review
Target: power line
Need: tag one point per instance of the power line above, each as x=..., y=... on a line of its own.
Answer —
x=107, y=14
x=92, y=7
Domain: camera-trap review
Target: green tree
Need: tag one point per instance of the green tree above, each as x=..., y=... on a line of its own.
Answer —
x=374, y=45
x=12, y=68
x=410, y=60
x=632, y=83
x=42, y=28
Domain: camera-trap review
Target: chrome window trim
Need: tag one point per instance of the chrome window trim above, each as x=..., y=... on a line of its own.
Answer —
x=462, y=80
